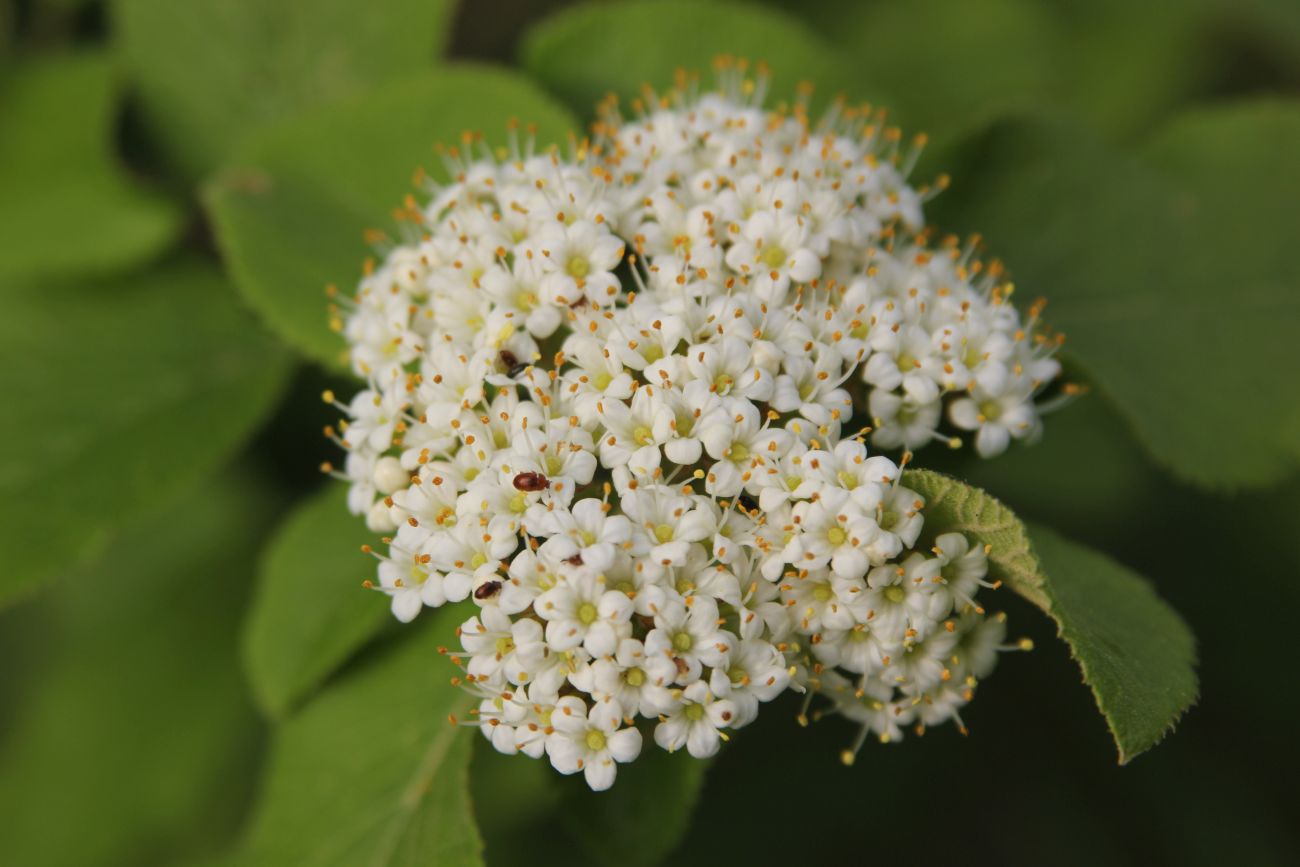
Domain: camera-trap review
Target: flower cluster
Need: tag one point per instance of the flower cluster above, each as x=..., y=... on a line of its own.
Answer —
x=611, y=402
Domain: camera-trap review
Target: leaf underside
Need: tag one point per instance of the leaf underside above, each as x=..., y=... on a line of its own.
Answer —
x=1136, y=654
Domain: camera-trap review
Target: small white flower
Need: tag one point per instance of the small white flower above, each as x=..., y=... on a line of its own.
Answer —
x=579, y=610
x=579, y=262
x=755, y=672
x=771, y=251
x=689, y=637
x=996, y=419
x=591, y=742
x=471, y=552
x=639, y=683
x=695, y=722
x=834, y=531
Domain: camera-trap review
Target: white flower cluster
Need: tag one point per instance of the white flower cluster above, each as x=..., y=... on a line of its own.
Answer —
x=607, y=402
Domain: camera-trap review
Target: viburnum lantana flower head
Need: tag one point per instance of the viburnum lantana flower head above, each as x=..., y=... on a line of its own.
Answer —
x=623, y=406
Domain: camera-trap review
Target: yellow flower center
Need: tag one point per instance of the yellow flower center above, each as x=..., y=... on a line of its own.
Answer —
x=578, y=267
x=888, y=519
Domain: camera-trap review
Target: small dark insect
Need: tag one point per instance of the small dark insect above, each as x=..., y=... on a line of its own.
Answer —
x=531, y=482
x=486, y=589
x=513, y=365
x=575, y=560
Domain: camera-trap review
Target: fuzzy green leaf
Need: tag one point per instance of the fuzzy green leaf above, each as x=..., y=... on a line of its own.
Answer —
x=310, y=612
x=371, y=772
x=210, y=71
x=292, y=209
x=573, y=54
x=121, y=395
x=68, y=209
x=131, y=714
x=1173, y=276
x=1137, y=655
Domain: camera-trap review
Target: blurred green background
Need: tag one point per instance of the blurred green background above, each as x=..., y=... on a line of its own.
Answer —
x=190, y=668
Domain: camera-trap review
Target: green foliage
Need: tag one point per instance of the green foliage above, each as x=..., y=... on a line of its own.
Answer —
x=120, y=396
x=1155, y=217
x=291, y=210
x=527, y=812
x=371, y=771
x=948, y=66
x=310, y=612
x=1163, y=273
x=1136, y=654
x=68, y=209
x=135, y=725
x=578, y=54
x=1125, y=78
x=643, y=817
x=210, y=71
x=1005, y=54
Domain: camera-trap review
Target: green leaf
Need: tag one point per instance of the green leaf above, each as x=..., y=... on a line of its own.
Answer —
x=643, y=817
x=1137, y=655
x=527, y=811
x=135, y=719
x=119, y=396
x=310, y=612
x=210, y=71
x=1173, y=276
x=291, y=211
x=1127, y=65
x=947, y=66
x=68, y=209
x=371, y=772
x=586, y=52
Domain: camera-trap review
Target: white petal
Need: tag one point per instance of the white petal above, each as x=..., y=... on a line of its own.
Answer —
x=624, y=745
